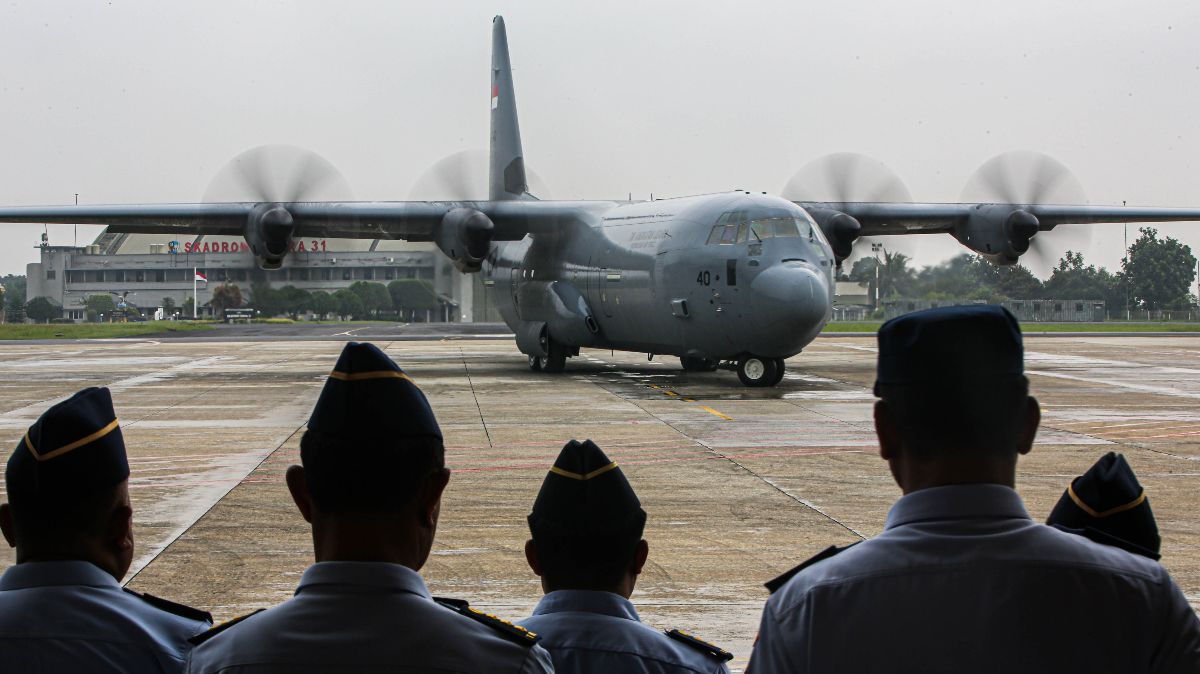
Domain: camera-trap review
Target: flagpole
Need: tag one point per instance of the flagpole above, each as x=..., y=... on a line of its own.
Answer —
x=195, y=300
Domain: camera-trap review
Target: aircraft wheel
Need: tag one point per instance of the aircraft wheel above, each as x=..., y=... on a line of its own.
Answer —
x=691, y=364
x=756, y=372
x=556, y=361
x=535, y=363
x=780, y=368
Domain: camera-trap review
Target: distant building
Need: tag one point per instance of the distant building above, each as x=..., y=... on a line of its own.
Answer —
x=1026, y=311
x=851, y=300
x=151, y=267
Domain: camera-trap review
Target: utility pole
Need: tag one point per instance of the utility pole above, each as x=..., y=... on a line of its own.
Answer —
x=875, y=248
x=1127, y=311
x=77, y=224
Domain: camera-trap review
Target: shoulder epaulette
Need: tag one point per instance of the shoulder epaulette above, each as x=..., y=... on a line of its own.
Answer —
x=774, y=584
x=701, y=645
x=510, y=630
x=173, y=608
x=205, y=636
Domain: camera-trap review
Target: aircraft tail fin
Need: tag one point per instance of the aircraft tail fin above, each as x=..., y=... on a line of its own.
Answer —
x=507, y=163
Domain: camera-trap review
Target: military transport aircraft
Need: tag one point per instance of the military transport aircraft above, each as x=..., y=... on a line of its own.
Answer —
x=737, y=280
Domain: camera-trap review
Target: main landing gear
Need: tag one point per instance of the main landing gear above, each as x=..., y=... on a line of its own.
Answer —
x=755, y=371
x=691, y=364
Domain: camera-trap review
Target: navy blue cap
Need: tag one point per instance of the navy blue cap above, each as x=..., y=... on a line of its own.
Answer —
x=74, y=446
x=367, y=394
x=584, y=495
x=1108, y=505
x=965, y=344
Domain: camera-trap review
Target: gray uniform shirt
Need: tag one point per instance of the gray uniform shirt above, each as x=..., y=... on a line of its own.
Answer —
x=74, y=617
x=590, y=632
x=363, y=617
x=961, y=579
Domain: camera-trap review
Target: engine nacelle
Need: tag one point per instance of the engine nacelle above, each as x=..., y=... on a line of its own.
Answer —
x=465, y=236
x=841, y=230
x=998, y=232
x=269, y=231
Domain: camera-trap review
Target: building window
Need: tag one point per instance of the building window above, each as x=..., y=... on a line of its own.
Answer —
x=241, y=274
x=346, y=274
x=139, y=276
x=174, y=275
x=1079, y=306
x=326, y=274
x=49, y=274
x=160, y=275
x=388, y=274
x=1058, y=306
x=75, y=277
x=299, y=273
x=119, y=275
x=368, y=274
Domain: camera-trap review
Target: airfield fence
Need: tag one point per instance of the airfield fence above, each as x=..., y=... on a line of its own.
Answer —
x=1026, y=311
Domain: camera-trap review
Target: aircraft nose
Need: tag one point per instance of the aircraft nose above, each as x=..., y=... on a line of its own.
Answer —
x=791, y=305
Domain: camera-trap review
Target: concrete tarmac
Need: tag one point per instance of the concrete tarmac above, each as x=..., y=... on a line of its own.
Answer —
x=740, y=484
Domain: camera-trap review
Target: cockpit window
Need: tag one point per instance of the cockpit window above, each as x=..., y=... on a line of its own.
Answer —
x=777, y=228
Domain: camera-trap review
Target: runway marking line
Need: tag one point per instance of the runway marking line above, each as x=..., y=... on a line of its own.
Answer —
x=675, y=394
x=713, y=412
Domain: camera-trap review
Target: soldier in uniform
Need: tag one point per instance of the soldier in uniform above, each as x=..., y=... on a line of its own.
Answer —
x=587, y=546
x=371, y=487
x=961, y=579
x=1109, y=506
x=62, y=608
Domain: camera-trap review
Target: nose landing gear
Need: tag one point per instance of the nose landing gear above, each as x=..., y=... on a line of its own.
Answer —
x=755, y=371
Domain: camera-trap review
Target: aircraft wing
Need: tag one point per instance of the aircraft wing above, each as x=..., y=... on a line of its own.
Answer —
x=408, y=220
x=879, y=218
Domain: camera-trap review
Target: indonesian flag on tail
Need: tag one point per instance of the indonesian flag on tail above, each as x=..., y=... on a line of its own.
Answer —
x=200, y=277
x=495, y=95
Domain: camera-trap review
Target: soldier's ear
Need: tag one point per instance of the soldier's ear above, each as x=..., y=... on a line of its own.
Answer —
x=6, y=525
x=885, y=429
x=298, y=486
x=639, y=557
x=429, y=498
x=1029, y=425
x=531, y=557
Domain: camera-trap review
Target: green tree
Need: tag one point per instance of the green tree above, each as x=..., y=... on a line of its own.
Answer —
x=295, y=300
x=100, y=307
x=323, y=304
x=374, y=296
x=412, y=295
x=42, y=309
x=168, y=307
x=1159, y=271
x=349, y=304
x=267, y=300
x=225, y=296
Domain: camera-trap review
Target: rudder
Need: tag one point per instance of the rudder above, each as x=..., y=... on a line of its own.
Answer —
x=506, y=171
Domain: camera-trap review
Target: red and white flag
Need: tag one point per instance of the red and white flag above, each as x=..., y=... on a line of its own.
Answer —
x=201, y=277
x=495, y=95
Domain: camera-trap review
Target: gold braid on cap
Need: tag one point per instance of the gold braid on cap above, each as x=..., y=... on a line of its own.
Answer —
x=1104, y=513
x=74, y=445
x=377, y=374
x=582, y=476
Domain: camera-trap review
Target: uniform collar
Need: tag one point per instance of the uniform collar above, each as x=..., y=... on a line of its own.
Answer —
x=42, y=574
x=369, y=576
x=587, y=601
x=959, y=501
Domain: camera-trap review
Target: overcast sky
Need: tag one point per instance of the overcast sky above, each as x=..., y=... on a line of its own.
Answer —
x=144, y=101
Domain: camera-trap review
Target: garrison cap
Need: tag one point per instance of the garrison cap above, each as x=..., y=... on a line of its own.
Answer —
x=367, y=394
x=585, y=494
x=1109, y=500
x=75, y=446
x=950, y=345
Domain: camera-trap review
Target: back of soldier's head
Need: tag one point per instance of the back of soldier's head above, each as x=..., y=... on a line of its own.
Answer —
x=587, y=521
x=68, y=471
x=954, y=379
x=372, y=439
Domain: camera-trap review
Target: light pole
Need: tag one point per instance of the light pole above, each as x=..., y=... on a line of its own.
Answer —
x=876, y=248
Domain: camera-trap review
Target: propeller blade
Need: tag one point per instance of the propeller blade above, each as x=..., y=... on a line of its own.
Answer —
x=281, y=173
x=463, y=176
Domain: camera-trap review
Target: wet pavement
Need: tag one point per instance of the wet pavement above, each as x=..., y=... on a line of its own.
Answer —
x=740, y=484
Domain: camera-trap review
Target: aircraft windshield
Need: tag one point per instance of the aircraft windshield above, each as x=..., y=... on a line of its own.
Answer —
x=732, y=227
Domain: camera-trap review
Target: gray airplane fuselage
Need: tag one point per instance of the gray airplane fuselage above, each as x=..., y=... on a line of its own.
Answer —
x=716, y=277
